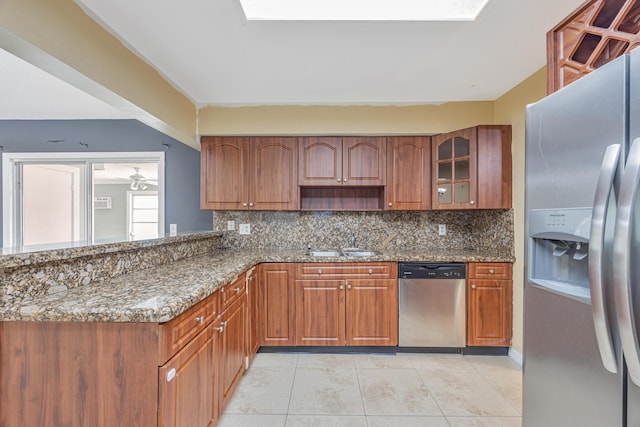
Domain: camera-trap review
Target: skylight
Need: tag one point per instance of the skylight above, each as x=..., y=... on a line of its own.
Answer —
x=362, y=10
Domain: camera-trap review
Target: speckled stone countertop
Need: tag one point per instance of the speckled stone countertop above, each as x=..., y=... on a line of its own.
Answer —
x=162, y=293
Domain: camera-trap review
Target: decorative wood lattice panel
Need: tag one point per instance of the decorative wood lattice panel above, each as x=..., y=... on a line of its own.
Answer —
x=597, y=32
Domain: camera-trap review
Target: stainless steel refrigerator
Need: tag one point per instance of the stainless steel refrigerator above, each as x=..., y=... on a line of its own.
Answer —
x=582, y=280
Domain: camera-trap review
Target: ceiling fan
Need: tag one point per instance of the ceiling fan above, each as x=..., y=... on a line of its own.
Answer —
x=138, y=181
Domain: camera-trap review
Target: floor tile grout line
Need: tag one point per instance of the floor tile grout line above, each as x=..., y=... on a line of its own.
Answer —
x=431, y=394
x=519, y=411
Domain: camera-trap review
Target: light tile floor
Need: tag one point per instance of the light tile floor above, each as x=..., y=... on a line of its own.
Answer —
x=358, y=390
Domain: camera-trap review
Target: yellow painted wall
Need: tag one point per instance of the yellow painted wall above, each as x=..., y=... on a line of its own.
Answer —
x=58, y=37
x=510, y=109
x=349, y=120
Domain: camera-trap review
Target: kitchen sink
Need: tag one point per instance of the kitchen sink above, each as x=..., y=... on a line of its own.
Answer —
x=349, y=252
x=324, y=253
x=361, y=253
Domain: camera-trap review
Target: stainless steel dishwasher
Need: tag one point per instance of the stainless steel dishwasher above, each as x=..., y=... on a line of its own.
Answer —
x=432, y=311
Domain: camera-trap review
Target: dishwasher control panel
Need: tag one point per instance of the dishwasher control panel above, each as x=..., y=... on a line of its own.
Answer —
x=431, y=270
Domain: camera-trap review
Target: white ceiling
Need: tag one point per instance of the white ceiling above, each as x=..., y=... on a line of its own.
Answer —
x=28, y=93
x=208, y=50
x=211, y=53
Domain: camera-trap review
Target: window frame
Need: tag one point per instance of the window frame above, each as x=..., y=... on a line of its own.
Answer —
x=11, y=194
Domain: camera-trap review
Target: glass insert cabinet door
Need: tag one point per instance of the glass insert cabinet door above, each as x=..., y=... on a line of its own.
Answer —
x=454, y=171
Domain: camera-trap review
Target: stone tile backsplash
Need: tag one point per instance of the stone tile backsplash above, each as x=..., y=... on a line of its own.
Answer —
x=481, y=230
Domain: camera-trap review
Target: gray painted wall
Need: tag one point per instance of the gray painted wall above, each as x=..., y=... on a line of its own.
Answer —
x=182, y=163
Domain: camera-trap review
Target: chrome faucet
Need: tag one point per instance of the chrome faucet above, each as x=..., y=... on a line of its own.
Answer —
x=353, y=241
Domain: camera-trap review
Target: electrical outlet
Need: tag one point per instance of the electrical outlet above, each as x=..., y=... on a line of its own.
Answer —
x=442, y=229
x=173, y=229
x=231, y=225
x=245, y=228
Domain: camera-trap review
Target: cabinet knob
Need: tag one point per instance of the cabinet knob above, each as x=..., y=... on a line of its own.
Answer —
x=339, y=180
x=199, y=319
x=370, y=271
x=349, y=286
x=472, y=202
x=473, y=286
x=236, y=290
x=390, y=204
x=341, y=287
x=223, y=324
x=319, y=271
x=491, y=271
x=171, y=374
x=344, y=180
x=219, y=329
x=251, y=204
x=244, y=204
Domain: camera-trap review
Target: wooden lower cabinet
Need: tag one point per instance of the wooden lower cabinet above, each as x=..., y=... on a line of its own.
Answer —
x=277, y=318
x=489, y=300
x=233, y=349
x=187, y=384
x=320, y=312
x=372, y=312
x=360, y=310
x=253, y=312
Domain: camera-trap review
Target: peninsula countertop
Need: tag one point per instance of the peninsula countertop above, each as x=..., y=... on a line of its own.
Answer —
x=161, y=293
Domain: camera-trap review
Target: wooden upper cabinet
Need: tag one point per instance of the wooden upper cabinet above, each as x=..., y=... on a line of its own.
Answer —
x=249, y=173
x=348, y=161
x=320, y=161
x=364, y=161
x=224, y=173
x=408, y=173
x=494, y=167
x=454, y=170
x=472, y=168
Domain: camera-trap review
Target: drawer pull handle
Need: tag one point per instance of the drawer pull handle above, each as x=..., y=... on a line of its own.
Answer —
x=370, y=271
x=319, y=271
x=171, y=374
x=491, y=271
x=473, y=286
x=200, y=319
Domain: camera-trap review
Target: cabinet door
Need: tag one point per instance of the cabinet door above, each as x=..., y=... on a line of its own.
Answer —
x=408, y=173
x=186, y=385
x=364, y=161
x=233, y=344
x=274, y=174
x=494, y=167
x=372, y=312
x=253, y=321
x=489, y=313
x=224, y=173
x=454, y=170
x=320, y=161
x=320, y=315
x=277, y=305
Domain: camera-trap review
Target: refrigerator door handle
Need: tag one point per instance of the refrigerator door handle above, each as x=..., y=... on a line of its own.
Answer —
x=622, y=263
x=596, y=258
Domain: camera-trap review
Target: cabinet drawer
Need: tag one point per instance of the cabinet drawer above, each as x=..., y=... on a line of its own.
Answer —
x=378, y=270
x=490, y=270
x=232, y=291
x=177, y=332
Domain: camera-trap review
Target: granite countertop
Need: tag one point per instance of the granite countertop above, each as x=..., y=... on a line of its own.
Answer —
x=162, y=293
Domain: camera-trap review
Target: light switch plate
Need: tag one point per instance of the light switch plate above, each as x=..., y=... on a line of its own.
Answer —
x=245, y=228
x=442, y=229
x=173, y=229
x=231, y=225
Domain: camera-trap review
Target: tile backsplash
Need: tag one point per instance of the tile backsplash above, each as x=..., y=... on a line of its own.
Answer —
x=479, y=230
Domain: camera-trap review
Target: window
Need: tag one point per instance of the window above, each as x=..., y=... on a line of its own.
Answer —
x=52, y=199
